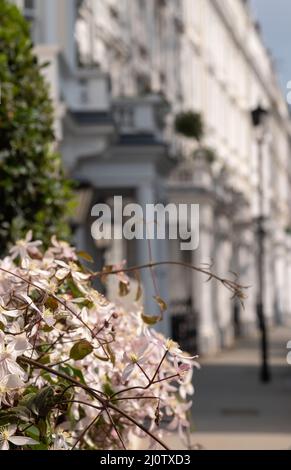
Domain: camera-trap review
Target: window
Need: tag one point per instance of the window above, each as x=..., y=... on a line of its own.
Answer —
x=84, y=33
x=29, y=9
x=143, y=84
x=29, y=4
x=29, y=12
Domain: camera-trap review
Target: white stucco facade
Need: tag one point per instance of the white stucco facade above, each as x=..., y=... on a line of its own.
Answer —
x=120, y=71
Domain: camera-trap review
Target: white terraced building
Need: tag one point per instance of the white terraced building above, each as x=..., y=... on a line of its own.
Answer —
x=120, y=71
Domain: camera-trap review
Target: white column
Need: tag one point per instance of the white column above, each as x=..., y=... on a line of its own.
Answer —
x=269, y=280
x=223, y=305
x=287, y=287
x=245, y=266
x=279, y=278
x=114, y=255
x=51, y=22
x=69, y=24
x=203, y=291
x=146, y=195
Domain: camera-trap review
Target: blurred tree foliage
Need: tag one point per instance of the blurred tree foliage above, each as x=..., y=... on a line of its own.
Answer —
x=34, y=193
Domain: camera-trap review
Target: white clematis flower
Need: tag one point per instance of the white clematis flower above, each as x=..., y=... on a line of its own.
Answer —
x=139, y=355
x=9, y=385
x=24, y=248
x=7, y=435
x=62, y=441
x=5, y=312
x=10, y=349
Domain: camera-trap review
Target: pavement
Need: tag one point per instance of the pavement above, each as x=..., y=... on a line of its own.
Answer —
x=232, y=409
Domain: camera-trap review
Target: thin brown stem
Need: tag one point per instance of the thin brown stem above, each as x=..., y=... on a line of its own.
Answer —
x=143, y=371
x=82, y=435
x=142, y=427
x=142, y=387
x=104, y=402
x=174, y=376
x=233, y=286
x=137, y=398
x=115, y=428
x=63, y=303
x=159, y=366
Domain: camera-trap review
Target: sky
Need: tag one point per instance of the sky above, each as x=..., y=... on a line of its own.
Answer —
x=275, y=19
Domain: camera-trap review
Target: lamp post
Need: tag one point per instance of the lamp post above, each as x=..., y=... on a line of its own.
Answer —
x=259, y=116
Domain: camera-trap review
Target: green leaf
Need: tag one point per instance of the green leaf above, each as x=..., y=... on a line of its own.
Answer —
x=33, y=432
x=138, y=292
x=42, y=402
x=161, y=303
x=101, y=358
x=14, y=415
x=44, y=359
x=51, y=303
x=40, y=446
x=73, y=372
x=107, y=388
x=110, y=354
x=7, y=418
x=81, y=350
x=33, y=189
x=150, y=320
x=85, y=256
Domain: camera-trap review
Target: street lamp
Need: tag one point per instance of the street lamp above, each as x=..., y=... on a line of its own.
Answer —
x=259, y=116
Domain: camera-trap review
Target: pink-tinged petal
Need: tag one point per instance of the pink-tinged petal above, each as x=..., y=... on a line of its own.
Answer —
x=172, y=426
x=29, y=302
x=3, y=320
x=28, y=236
x=183, y=368
x=12, y=429
x=126, y=357
x=196, y=364
x=62, y=263
x=62, y=273
x=78, y=276
x=14, y=368
x=13, y=381
x=48, y=319
x=143, y=359
x=13, y=252
x=22, y=441
x=12, y=313
x=4, y=445
x=19, y=345
x=127, y=371
x=35, y=244
x=24, y=261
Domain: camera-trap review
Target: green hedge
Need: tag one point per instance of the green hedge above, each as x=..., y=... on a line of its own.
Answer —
x=34, y=193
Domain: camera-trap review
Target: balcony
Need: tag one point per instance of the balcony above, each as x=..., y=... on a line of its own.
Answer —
x=143, y=116
x=79, y=91
x=86, y=90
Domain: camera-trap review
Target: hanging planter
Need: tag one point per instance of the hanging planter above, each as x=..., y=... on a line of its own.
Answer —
x=190, y=125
